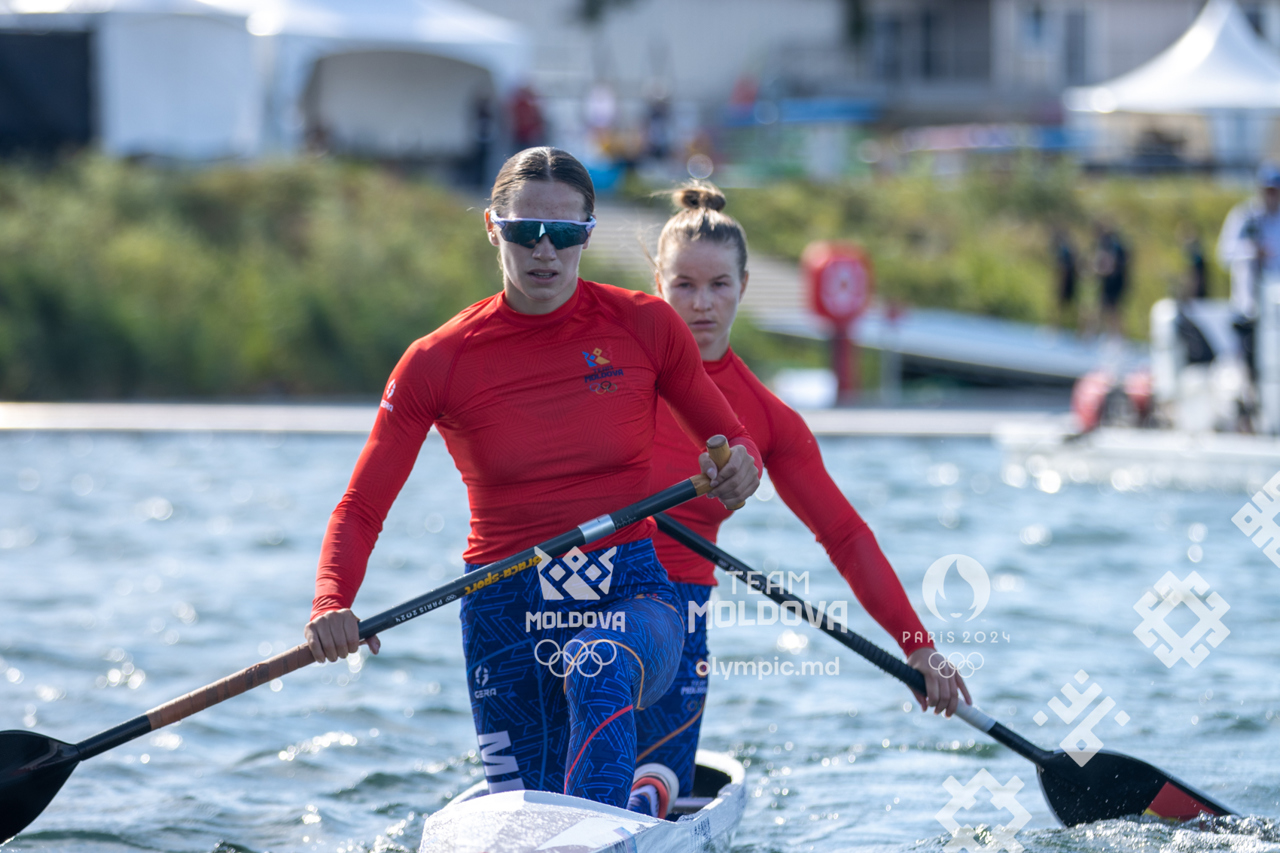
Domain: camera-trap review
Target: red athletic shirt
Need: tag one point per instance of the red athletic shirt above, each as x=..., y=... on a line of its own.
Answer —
x=549, y=418
x=795, y=466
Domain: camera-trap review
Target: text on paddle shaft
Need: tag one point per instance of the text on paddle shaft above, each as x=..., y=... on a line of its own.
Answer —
x=425, y=608
x=494, y=577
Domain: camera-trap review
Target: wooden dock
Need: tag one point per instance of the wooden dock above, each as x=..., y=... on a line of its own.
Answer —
x=358, y=419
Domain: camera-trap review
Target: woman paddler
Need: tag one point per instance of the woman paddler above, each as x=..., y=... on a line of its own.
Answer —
x=545, y=395
x=701, y=271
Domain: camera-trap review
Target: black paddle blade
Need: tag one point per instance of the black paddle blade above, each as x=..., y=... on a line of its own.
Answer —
x=32, y=770
x=1111, y=785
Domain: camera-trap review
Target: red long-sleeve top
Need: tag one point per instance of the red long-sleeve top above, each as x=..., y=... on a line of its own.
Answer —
x=791, y=455
x=549, y=418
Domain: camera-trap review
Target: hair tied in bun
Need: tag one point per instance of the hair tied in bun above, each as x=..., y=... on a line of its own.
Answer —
x=699, y=196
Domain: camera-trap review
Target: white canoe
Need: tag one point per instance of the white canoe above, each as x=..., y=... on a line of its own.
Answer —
x=527, y=821
x=1134, y=458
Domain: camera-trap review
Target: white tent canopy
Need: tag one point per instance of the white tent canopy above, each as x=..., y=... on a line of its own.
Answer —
x=394, y=76
x=1218, y=64
x=203, y=79
x=175, y=78
x=1211, y=97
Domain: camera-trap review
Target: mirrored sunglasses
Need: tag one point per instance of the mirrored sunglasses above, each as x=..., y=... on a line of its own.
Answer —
x=527, y=232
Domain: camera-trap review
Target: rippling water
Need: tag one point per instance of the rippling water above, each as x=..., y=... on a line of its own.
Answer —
x=135, y=568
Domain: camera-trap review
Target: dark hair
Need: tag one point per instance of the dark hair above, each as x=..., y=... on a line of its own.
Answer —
x=700, y=217
x=541, y=164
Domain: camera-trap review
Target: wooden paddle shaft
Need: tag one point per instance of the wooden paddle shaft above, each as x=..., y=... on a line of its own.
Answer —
x=233, y=685
x=718, y=448
x=300, y=656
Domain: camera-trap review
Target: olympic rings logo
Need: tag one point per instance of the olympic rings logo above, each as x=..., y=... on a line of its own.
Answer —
x=576, y=654
x=946, y=665
x=605, y=387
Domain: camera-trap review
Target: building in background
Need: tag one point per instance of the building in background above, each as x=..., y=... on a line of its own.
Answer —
x=766, y=87
x=813, y=77
x=211, y=79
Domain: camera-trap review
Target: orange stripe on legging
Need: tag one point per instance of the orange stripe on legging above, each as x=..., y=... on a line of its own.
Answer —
x=688, y=723
x=615, y=715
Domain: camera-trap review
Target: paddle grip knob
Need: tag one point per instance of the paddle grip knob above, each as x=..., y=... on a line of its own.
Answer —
x=718, y=449
x=233, y=685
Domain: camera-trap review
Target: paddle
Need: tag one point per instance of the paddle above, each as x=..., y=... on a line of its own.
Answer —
x=1110, y=785
x=34, y=767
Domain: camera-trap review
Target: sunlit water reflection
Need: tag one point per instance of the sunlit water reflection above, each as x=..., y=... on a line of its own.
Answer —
x=135, y=568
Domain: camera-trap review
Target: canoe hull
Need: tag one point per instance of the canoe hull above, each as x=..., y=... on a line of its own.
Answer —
x=525, y=821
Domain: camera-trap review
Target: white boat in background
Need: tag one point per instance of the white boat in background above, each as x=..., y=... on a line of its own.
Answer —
x=527, y=821
x=1169, y=426
x=1131, y=459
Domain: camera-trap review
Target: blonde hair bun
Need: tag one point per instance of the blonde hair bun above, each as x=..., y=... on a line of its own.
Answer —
x=699, y=195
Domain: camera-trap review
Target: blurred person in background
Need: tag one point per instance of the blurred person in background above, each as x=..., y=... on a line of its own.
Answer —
x=1064, y=263
x=658, y=129
x=528, y=129
x=701, y=270
x=1249, y=246
x=1197, y=269
x=1111, y=265
x=546, y=394
x=483, y=133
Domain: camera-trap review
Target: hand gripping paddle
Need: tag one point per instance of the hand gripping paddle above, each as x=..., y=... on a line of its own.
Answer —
x=33, y=767
x=1109, y=785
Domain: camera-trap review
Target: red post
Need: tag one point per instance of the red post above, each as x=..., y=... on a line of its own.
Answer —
x=840, y=284
x=844, y=363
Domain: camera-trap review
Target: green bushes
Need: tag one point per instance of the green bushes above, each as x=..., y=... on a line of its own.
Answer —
x=311, y=277
x=301, y=278
x=981, y=243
